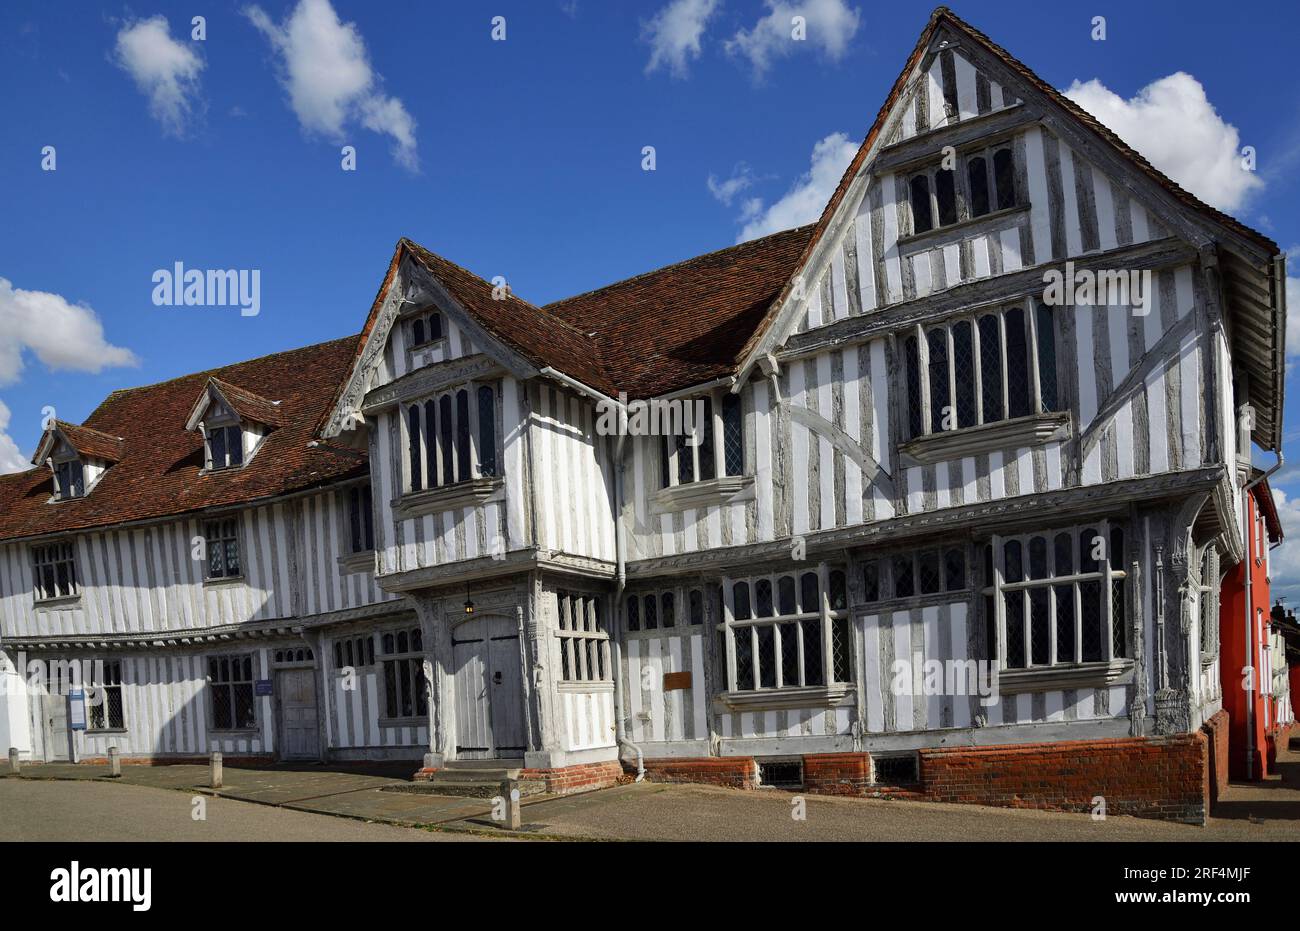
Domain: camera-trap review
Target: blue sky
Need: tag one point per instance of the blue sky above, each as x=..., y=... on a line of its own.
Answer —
x=519, y=158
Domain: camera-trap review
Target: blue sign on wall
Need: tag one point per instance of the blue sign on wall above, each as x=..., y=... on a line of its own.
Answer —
x=77, y=710
x=262, y=687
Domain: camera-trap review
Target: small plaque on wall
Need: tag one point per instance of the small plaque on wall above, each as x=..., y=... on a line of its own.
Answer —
x=676, y=680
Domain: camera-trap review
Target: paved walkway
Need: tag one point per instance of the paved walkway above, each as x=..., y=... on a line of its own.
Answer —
x=72, y=812
x=1248, y=812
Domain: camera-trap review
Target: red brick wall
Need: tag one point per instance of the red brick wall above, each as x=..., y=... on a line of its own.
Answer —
x=1155, y=777
x=837, y=773
x=577, y=778
x=734, y=771
x=1217, y=732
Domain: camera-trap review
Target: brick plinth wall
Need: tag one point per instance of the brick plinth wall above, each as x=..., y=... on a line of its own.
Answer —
x=562, y=780
x=734, y=771
x=837, y=774
x=577, y=778
x=1150, y=777
x=1216, y=733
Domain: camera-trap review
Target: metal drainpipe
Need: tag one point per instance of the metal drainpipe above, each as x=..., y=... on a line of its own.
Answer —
x=1250, y=616
x=620, y=733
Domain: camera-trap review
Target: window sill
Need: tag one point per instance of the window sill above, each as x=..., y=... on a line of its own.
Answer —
x=1033, y=430
x=222, y=580
x=236, y=731
x=962, y=227
x=701, y=494
x=363, y=561
x=427, y=345
x=61, y=602
x=1077, y=675
x=434, y=501
x=105, y=732
x=826, y=696
x=596, y=685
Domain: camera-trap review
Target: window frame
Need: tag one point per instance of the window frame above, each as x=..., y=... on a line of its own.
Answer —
x=227, y=532
x=963, y=205
x=829, y=621
x=75, y=486
x=395, y=688
x=356, y=651
x=361, y=519
x=583, y=638
x=53, y=554
x=1106, y=577
x=920, y=382
x=715, y=434
x=231, y=684
x=441, y=455
x=226, y=428
x=99, y=719
x=423, y=319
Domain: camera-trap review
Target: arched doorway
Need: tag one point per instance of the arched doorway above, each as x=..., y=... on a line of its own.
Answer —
x=487, y=674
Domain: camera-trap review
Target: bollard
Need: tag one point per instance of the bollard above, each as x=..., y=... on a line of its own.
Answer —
x=114, y=762
x=215, y=780
x=15, y=765
x=510, y=792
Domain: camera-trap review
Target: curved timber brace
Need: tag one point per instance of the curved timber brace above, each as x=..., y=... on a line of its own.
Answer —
x=1155, y=358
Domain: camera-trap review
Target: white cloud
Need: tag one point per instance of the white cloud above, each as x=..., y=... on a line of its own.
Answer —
x=725, y=191
x=828, y=27
x=809, y=195
x=165, y=70
x=327, y=73
x=1284, y=562
x=674, y=34
x=61, y=334
x=11, y=460
x=1173, y=124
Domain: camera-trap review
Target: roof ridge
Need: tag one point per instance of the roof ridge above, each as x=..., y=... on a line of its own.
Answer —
x=211, y=371
x=510, y=292
x=680, y=264
x=1094, y=122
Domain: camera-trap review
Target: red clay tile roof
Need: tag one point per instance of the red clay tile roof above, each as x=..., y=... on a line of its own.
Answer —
x=250, y=406
x=678, y=326
x=541, y=336
x=684, y=324
x=158, y=474
x=85, y=441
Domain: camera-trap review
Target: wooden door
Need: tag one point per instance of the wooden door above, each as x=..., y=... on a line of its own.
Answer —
x=295, y=691
x=488, y=689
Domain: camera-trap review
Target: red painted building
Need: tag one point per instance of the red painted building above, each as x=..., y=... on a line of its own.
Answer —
x=1256, y=688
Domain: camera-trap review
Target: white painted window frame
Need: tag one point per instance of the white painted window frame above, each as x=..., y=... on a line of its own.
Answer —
x=1105, y=576
x=716, y=400
x=920, y=333
x=732, y=627
x=443, y=450
x=582, y=630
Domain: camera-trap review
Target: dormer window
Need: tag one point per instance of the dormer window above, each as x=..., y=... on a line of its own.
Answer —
x=77, y=457
x=69, y=479
x=234, y=422
x=425, y=329
x=225, y=447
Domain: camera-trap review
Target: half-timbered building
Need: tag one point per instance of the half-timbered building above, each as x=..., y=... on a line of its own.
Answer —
x=942, y=529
